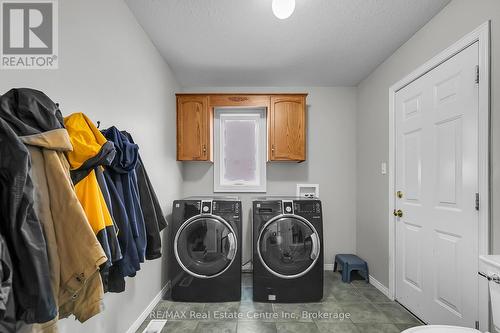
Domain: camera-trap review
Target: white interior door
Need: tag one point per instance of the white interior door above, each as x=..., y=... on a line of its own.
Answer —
x=437, y=172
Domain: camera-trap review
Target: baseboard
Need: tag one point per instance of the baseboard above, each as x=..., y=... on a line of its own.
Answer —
x=383, y=289
x=138, y=322
x=374, y=282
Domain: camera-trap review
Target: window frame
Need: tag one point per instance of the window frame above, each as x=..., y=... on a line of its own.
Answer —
x=261, y=158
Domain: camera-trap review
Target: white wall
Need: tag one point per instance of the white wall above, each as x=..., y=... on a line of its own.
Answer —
x=110, y=70
x=454, y=21
x=330, y=162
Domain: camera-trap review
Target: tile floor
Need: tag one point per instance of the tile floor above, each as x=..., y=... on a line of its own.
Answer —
x=369, y=312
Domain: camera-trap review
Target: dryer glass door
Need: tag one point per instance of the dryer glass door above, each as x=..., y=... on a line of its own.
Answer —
x=288, y=246
x=205, y=246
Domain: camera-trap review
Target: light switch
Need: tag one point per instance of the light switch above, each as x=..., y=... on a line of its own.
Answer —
x=383, y=168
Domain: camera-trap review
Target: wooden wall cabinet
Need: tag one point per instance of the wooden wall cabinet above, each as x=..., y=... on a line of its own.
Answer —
x=287, y=128
x=286, y=124
x=194, y=128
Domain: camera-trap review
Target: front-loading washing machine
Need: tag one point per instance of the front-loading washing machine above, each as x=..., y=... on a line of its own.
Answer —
x=288, y=250
x=205, y=250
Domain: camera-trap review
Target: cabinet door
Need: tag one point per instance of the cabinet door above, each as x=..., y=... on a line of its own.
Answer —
x=287, y=128
x=193, y=128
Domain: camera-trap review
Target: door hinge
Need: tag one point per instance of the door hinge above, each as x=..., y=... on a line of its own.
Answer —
x=477, y=74
x=477, y=201
x=477, y=325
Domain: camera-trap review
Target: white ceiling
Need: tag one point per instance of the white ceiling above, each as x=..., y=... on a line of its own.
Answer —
x=241, y=43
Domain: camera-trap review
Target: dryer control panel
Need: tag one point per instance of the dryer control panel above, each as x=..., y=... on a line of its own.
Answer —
x=275, y=207
x=307, y=207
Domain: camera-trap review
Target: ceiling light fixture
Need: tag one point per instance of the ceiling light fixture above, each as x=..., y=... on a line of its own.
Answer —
x=283, y=9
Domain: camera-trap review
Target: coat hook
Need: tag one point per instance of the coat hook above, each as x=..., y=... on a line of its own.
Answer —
x=98, y=124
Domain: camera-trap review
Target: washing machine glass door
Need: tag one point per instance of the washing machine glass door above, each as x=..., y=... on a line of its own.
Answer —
x=205, y=246
x=288, y=246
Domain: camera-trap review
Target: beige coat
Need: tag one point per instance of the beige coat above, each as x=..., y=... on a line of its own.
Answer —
x=74, y=252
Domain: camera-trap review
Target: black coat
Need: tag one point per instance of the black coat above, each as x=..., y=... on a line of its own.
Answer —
x=19, y=224
x=7, y=311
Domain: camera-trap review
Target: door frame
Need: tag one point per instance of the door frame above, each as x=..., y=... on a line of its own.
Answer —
x=482, y=36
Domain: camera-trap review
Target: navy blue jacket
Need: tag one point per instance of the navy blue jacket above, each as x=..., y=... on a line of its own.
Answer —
x=121, y=180
x=153, y=215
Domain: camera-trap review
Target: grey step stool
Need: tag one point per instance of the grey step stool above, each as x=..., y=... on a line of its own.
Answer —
x=349, y=263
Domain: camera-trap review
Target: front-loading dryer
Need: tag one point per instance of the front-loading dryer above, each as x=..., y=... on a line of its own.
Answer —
x=205, y=250
x=288, y=250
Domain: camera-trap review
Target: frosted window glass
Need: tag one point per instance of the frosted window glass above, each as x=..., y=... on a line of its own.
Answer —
x=239, y=151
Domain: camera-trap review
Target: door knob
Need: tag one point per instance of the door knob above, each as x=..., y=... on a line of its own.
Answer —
x=398, y=213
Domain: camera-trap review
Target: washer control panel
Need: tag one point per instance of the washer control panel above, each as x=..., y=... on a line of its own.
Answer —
x=226, y=207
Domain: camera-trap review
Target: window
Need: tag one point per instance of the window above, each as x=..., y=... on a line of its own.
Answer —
x=240, y=150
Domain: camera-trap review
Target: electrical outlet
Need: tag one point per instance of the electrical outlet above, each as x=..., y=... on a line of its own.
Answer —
x=308, y=191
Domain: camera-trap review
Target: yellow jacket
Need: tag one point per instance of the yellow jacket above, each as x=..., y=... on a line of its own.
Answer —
x=91, y=151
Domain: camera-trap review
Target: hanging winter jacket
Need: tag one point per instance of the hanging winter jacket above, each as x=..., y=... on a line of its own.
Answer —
x=121, y=179
x=153, y=215
x=22, y=230
x=7, y=310
x=90, y=152
x=74, y=252
x=5, y=277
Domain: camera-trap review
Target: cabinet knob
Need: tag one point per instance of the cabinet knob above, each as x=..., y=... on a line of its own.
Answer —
x=204, y=149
